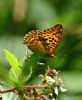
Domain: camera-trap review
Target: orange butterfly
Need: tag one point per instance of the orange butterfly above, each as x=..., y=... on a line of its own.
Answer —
x=45, y=41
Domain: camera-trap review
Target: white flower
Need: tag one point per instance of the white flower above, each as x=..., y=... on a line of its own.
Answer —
x=62, y=89
x=50, y=79
x=56, y=91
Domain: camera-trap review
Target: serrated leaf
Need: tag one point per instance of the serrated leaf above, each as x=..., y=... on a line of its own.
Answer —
x=15, y=70
x=12, y=60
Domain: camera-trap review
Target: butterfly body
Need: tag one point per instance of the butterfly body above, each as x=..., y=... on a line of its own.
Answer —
x=45, y=41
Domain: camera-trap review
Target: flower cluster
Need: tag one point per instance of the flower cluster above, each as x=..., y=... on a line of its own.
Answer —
x=54, y=82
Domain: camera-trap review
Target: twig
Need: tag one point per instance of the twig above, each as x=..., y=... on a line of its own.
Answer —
x=10, y=90
x=15, y=91
x=37, y=86
x=1, y=83
x=35, y=91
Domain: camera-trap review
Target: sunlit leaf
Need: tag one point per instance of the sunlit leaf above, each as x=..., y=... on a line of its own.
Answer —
x=15, y=70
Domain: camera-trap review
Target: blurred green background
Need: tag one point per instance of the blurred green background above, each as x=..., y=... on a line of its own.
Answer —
x=17, y=17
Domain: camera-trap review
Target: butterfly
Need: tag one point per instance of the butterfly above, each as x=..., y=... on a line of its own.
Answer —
x=45, y=41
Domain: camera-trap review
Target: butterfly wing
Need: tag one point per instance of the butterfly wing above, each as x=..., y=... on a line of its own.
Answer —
x=32, y=41
x=51, y=37
x=45, y=41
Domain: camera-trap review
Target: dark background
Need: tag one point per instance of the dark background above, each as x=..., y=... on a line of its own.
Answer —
x=17, y=17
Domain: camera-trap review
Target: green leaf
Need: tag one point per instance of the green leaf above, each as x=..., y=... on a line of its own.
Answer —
x=4, y=77
x=12, y=60
x=15, y=70
x=26, y=70
x=27, y=77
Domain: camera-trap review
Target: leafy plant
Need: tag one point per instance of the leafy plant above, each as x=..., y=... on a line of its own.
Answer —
x=17, y=79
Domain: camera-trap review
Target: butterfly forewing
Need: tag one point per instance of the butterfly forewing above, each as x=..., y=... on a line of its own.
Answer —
x=32, y=41
x=46, y=40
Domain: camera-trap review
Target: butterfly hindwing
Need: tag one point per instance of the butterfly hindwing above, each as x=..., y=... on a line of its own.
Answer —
x=44, y=43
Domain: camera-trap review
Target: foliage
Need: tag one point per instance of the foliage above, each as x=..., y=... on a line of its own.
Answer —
x=19, y=74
